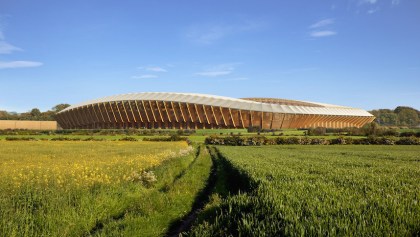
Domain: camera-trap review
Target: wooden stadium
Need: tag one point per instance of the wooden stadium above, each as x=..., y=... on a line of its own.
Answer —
x=201, y=111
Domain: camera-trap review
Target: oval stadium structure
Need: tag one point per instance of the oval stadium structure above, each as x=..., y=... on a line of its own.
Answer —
x=195, y=111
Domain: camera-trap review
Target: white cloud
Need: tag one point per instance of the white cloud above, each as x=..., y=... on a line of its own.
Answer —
x=213, y=73
x=146, y=76
x=19, y=64
x=395, y=2
x=155, y=69
x=218, y=70
x=322, y=23
x=321, y=28
x=369, y=1
x=6, y=48
x=210, y=33
x=371, y=11
x=322, y=33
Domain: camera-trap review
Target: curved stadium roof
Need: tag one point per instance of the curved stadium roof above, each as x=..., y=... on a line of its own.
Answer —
x=253, y=104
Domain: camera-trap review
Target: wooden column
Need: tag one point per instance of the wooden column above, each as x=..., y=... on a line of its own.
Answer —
x=231, y=117
x=102, y=116
x=182, y=112
x=66, y=115
x=197, y=112
x=214, y=116
x=125, y=112
x=82, y=119
x=205, y=114
x=70, y=116
x=145, y=111
x=132, y=113
x=242, y=120
x=153, y=112
x=282, y=121
x=138, y=110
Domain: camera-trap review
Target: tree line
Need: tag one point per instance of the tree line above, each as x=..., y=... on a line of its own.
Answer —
x=400, y=116
x=34, y=114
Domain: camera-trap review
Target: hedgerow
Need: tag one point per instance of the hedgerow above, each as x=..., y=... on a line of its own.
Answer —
x=262, y=140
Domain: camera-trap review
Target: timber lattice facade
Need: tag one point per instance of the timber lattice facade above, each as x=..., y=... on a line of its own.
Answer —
x=144, y=112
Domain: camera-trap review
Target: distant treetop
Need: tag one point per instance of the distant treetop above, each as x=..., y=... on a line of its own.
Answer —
x=400, y=116
x=33, y=114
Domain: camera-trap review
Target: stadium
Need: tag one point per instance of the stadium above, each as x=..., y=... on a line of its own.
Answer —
x=199, y=111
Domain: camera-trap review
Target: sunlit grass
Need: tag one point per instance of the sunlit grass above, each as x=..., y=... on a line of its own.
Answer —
x=321, y=191
x=64, y=188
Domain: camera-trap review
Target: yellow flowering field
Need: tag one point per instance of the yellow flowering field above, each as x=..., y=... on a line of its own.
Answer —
x=63, y=188
x=81, y=164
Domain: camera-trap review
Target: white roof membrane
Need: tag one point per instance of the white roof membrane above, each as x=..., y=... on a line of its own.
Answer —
x=228, y=102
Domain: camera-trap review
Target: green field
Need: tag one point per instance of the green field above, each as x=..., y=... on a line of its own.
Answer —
x=316, y=190
x=97, y=188
x=117, y=188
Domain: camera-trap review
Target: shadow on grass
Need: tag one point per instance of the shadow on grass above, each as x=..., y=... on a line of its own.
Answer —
x=224, y=180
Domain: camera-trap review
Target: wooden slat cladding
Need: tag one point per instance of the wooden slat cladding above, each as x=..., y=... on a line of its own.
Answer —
x=179, y=115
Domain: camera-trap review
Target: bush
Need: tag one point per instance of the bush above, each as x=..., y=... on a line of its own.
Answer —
x=320, y=141
x=172, y=138
x=292, y=141
x=234, y=141
x=407, y=134
x=341, y=141
x=305, y=141
x=388, y=141
x=261, y=140
x=65, y=139
x=214, y=140
x=253, y=129
x=408, y=141
x=93, y=139
x=129, y=139
x=280, y=140
x=316, y=131
x=390, y=132
x=21, y=139
x=255, y=141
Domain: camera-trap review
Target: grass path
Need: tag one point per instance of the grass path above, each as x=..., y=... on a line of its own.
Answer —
x=167, y=204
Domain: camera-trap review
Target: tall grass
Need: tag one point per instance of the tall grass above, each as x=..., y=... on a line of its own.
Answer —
x=328, y=191
x=83, y=188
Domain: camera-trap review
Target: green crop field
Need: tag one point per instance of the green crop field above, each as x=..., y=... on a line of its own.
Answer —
x=138, y=188
x=108, y=188
x=316, y=190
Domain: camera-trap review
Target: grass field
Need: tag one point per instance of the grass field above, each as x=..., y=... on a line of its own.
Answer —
x=116, y=188
x=317, y=190
x=97, y=188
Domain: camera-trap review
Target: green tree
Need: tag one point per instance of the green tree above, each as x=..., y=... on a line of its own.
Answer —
x=60, y=107
x=408, y=117
x=35, y=114
x=390, y=119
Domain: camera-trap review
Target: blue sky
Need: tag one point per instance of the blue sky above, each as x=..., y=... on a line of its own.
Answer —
x=360, y=53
